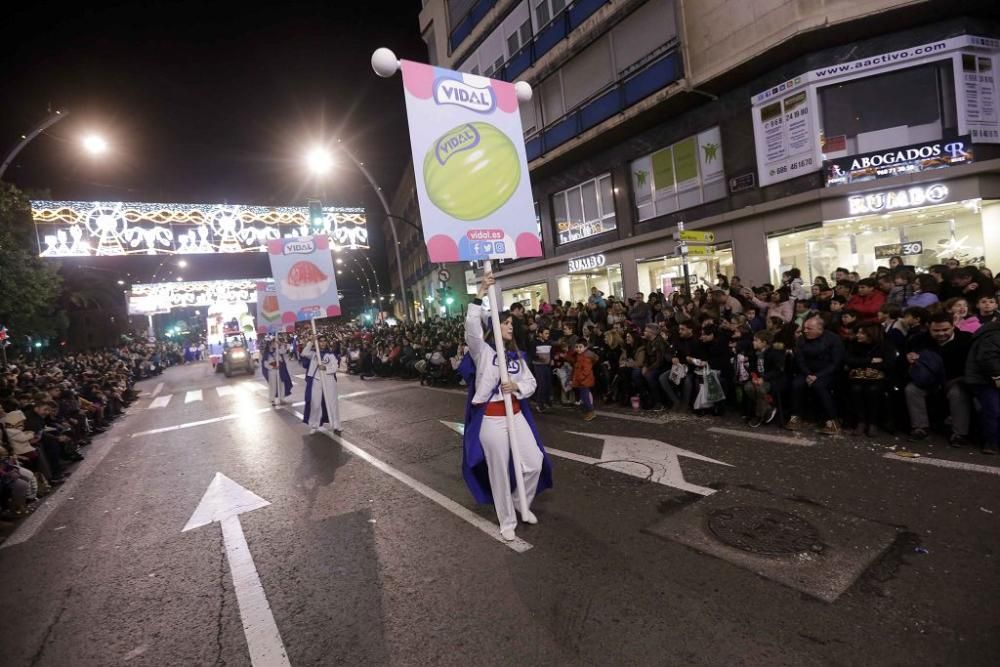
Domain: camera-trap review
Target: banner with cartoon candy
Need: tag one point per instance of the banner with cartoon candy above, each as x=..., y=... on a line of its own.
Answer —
x=304, y=277
x=268, y=310
x=470, y=165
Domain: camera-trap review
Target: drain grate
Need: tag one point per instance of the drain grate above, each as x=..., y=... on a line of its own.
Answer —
x=764, y=530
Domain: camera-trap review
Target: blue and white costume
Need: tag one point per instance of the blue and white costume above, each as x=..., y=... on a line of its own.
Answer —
x=486, y=462
x=278, y=356
x=321, y=388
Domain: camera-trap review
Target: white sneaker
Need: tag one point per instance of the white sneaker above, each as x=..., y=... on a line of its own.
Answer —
x=507, y=534
x=312, y=430
x=529, y=517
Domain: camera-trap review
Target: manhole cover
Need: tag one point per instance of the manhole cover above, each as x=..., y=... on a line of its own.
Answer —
x=763, y=530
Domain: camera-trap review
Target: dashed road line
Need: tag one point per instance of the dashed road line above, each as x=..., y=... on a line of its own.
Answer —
x=765, y=437
x=944, y=463
x=160, y=401
x=156, y=392
x=192, y=396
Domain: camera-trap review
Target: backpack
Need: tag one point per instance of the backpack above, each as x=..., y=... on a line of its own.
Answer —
x=928, y=371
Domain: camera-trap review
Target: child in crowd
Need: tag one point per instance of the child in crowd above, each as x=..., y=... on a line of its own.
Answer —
x=583, y=377
x=986, y=306
x=766, y=379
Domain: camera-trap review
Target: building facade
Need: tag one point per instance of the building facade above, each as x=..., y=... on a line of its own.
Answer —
x=812, y=135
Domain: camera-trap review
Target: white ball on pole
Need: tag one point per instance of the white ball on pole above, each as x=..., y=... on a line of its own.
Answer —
x=523, y=90
x=384, y=62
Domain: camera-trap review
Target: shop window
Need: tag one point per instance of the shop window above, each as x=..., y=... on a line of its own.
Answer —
x=575, y=287
x=899, y=108
x=530, y=296
x=679, y=176
x=584, y=210
x=932, y=234
x=666, y=274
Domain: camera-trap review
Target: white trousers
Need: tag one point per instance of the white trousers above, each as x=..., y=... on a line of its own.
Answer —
x=496, y=447
x=324, y=386
x=274, y=385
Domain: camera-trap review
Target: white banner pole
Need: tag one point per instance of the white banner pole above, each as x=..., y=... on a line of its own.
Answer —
x=507, y=404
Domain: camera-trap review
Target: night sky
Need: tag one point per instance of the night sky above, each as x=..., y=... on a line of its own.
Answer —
x=205, y=102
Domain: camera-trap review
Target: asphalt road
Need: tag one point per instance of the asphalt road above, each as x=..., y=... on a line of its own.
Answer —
x=371, y=551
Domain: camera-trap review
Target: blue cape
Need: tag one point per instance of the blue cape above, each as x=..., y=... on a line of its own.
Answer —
x=286, y=378
x=323, y=418
x=474, y=469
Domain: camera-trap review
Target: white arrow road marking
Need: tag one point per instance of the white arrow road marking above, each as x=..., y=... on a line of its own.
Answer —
x=224, y=501
x=193, y=395
x=160, y=401
x=157, y=391
x=639, y=457
x=457, y=427
x=648, y=459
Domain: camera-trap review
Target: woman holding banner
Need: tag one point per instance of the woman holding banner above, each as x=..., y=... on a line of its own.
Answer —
x=486, y=463
x=321, y=386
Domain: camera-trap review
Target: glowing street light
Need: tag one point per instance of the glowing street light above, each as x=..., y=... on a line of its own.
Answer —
x=95, y=144
x=180, y=278
x=182, y=263
x=319, y=160
x=121, y=282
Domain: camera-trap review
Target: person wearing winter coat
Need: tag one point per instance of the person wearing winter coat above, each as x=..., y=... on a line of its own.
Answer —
x=867, y=301
x=767, y=378
x=870, y=358
x=583, y=378
x=982, y=375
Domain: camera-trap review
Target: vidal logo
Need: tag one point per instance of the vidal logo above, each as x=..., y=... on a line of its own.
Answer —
x=304, y=247
x=452, y=91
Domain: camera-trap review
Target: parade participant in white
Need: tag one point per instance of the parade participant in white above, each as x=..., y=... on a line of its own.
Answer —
x=487, y=405
x=321, y=379
x=275, y=364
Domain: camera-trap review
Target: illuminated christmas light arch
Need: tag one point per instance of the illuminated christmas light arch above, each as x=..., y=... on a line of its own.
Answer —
x=89, y=229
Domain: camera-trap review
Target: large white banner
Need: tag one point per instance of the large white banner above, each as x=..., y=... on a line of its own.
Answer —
x=470, y=166
x=787, y=123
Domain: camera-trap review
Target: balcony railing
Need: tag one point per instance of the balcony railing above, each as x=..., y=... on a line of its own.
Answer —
x=558, y=29
x=610, y=100
x=469, y=22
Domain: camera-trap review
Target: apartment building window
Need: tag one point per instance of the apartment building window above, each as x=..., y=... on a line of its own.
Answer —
x=585, y=210
x=898, y=108
x=546, y=10
x=458, y=9
x=679, y=176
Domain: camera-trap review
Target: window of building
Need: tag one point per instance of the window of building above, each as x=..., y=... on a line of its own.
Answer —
x=643, y=31
x=538, y=220
x=575, y=287
x=457, y=9
x=516, y=29
x=530, y=296
x=666, y=274
x=687, y=173
x=898, y=108
x=585, y=210
x=546, y=10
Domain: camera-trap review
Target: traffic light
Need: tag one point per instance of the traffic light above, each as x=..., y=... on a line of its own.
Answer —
x=317, y=223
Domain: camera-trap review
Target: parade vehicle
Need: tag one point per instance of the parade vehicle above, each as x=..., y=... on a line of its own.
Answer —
x=236, y=355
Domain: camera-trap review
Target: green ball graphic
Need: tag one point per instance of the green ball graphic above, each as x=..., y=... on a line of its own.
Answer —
x=471, y=171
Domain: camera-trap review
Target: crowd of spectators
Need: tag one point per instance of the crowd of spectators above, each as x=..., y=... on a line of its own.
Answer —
x=51, y=407
x=898, y=351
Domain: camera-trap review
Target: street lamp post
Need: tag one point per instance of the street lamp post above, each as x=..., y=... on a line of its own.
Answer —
x=53, y=118
x=388, y=214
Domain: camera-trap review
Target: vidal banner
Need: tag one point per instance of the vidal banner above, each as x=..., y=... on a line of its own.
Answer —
x=268, y=310
x=304, y=277
x=470, y=165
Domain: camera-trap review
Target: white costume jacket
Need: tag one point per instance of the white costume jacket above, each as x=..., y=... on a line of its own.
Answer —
x=485, y=358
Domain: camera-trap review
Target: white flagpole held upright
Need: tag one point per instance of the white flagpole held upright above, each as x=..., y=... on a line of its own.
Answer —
x=505, y=378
